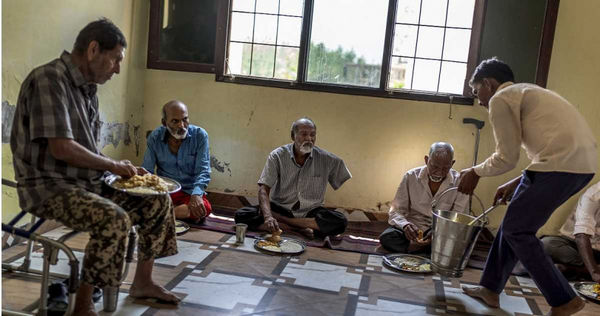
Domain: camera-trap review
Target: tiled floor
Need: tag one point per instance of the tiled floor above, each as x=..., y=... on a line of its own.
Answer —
x=216, y=277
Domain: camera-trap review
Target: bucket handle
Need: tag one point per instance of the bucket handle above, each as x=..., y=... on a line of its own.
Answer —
x=435, y=202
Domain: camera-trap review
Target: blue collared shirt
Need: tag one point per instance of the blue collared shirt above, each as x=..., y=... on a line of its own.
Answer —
x=191, y=165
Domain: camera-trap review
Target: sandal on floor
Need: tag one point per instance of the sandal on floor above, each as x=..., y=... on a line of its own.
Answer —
x=58, y=299
x=96, y=295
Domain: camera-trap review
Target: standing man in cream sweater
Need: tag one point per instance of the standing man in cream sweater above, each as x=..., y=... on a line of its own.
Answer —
x=563, y=156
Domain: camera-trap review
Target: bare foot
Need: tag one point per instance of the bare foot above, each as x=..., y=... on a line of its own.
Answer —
x=153, y=290
x=414, y=247
x=570, y=308
x=83, y=301
x=307, y=232
x=490, y=298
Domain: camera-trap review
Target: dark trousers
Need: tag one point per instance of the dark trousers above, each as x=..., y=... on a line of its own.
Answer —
x=330, y=222
x=393, y=239
x=538, y=195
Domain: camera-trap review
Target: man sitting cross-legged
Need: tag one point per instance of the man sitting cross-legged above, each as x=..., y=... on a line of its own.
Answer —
x=411, y=208
x=576, y=252
x=291, y=188
x=179, y=150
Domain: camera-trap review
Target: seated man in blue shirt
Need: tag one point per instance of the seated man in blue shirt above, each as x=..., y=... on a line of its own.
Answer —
x=179, y=151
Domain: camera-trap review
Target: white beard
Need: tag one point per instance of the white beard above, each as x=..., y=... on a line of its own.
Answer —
x=305, y=149
x=177, y=136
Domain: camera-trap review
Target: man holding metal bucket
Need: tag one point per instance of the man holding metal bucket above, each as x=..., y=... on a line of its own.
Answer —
x=563, y=154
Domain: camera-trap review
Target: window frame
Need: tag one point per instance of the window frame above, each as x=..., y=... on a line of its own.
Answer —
x=222, y=42
x=153, y=58
x=380, y=91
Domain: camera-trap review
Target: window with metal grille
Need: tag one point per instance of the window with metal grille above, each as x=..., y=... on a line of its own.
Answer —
x=345, y=43
x=410, y=49
x=431, y=45
x=264, y=39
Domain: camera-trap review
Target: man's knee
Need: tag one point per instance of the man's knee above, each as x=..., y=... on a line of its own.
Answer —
x=331, y=222
x=561, y=250
x=119, y=224
x=249, y=215
x=164, y=202
x=550, y=245
x=392, y=239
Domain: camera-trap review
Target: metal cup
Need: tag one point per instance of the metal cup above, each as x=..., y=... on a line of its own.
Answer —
x=110, y=299
x=240, y=233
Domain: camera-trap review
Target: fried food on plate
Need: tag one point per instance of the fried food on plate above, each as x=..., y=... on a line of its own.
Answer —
x=149, y=183
x=275, y=236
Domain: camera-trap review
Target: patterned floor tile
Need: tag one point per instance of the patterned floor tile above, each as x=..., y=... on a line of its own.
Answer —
x=125, y=307
x=37, y=261
x=387, y=308
x=220, y=290
x=313, y=274
x=214, y=276
x=464, y=303
x=189, y=253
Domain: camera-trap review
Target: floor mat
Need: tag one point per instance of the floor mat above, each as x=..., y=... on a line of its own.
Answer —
x=359, y=236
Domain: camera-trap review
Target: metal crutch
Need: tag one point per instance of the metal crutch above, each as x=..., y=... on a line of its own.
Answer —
x=479, y=125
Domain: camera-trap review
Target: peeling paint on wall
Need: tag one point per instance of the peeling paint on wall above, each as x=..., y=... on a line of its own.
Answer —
x=250, y=118
x=110, y=133
x=136, y=139
x=113, y=133
x=219, y=166
x=8, y=112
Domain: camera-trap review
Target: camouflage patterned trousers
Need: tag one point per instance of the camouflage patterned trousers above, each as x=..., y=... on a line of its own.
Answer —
x=107, y=218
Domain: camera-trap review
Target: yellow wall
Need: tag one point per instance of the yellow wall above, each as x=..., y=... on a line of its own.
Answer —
x=378, y=138
x=35, y=32
x=574, y=70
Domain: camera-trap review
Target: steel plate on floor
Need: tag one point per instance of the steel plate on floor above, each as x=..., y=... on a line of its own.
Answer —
x=287, y=246
x=407, y=263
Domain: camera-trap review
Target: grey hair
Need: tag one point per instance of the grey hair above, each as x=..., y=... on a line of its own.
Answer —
x=441, y=149
x=301, y=121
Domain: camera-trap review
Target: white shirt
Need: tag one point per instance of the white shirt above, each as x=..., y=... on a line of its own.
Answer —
x=586, y=218
x=553, y=133
x=413, y=199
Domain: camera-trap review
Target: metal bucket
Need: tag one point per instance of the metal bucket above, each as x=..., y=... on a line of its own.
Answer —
x=453, y=240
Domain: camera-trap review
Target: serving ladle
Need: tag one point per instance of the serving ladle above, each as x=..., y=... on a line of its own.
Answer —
x=484, y=213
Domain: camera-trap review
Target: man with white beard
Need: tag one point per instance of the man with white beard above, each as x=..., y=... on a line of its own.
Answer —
x=291, y=188
x=179, y=150
x=410, y=211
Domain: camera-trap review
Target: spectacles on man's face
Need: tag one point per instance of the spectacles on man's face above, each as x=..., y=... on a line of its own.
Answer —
x=476, y=87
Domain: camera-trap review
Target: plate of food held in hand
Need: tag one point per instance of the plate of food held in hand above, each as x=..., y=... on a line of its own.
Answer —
x=590, y=290
x=148, y=184
x=274, y=243
x=407, y=263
